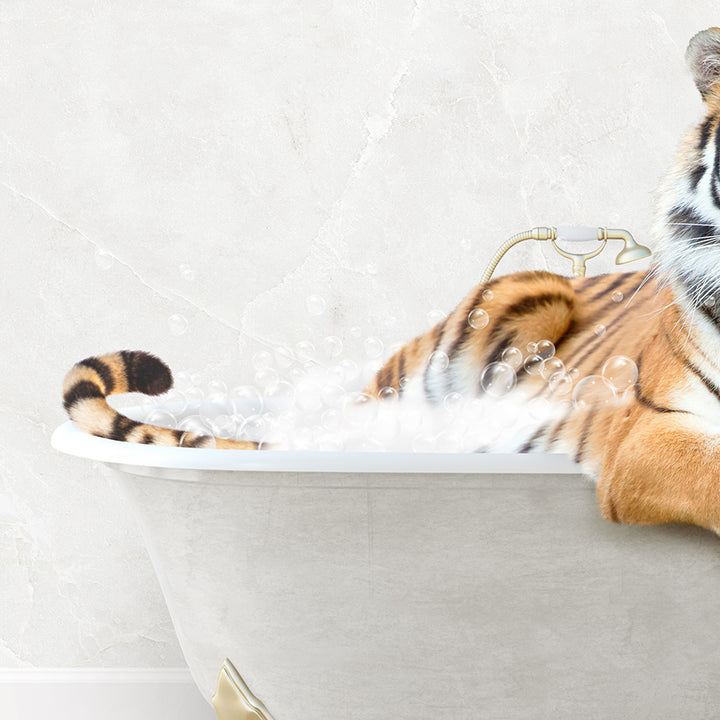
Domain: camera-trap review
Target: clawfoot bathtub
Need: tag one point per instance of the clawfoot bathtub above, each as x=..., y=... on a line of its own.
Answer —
x=362, y=586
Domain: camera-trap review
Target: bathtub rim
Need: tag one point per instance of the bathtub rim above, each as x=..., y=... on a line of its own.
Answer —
x=69, y=439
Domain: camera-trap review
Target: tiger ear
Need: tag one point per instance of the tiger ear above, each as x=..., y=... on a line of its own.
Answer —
x=703, y=59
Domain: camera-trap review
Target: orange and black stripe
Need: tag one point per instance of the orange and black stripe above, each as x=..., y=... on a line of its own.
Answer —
x=91, y=381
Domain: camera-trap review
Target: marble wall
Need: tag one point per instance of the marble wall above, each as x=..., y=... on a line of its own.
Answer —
x=223, y=161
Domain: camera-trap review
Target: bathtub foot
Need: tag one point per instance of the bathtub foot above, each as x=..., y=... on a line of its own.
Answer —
x=233, y=700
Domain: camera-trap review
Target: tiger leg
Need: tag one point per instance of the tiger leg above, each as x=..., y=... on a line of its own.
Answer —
x=661, y=469
x=513, y=311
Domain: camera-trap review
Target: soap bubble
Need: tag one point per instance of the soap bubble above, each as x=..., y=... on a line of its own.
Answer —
x=424, y=442
x=545, y=349
x=266, y=378
x=197, y=440
x=104, y=259
x=225, y=426
x=504, y=416
x=498, y=379
x=238, y=419
x=331, y=419
x=330, y=443
x=182, y=381
x=177, y=324
x=477, y=409
x=177, y=401
x=355, y=331
x=216, y=386
x=617, y=296
x=350, y=370
x=551, y=366
x=360, y=410
x=253, y=429
x=512, y=356
x=539, y=408
x=448, y=442
x=592, y=391
x=332, y=346
x=195, y=424
x=149, y=403
x=533, y=364
x=217, y=403
x=160, y=417
x=621, y=372
x=295, y=373
x=305, y=351
x=262, y=360
x=388, y=393
x=246, y=400
x=435, y=316
x=373, y=347
x=197, y=432
x=287, y=417
x=274, y=428
x=187, y=272
x=483, y=435
x=600, y=330
x=439, y=361
x=363, y=400
x=315, y=305
x=452, y=401
x=478, y=319
x=281, y=390
x=308, y=395
x=370, y=369
x=532, y=348
x=303, y=437
x=560, y=383
x=488, y=295
x=334, y=375
x=369, y=445
x=194, y=395
x=332, y=394
x=284, y=357
x=412, y=421
x=384, y=427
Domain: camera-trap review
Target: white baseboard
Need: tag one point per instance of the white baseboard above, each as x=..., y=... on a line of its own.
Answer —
x=101, y=694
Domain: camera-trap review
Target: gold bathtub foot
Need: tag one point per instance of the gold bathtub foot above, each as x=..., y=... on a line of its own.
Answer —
x=233, y=700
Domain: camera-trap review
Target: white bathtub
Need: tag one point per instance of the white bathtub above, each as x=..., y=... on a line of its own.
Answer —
x=416, y=587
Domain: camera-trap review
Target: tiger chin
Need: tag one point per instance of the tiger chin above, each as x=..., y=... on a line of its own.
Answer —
x=656, y=453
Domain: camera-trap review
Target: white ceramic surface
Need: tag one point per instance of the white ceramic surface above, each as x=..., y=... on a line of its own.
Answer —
x=418, y=595
x=365, y=585
x=69, y=439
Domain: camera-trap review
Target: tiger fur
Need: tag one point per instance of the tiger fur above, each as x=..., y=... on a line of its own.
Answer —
x=656, y=453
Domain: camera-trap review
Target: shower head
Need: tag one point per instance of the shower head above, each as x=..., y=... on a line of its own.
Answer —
x=632, y=250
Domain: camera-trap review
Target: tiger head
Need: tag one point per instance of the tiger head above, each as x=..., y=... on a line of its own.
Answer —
x=687, y=228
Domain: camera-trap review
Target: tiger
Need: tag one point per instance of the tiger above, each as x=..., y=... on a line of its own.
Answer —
x=654, y=452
